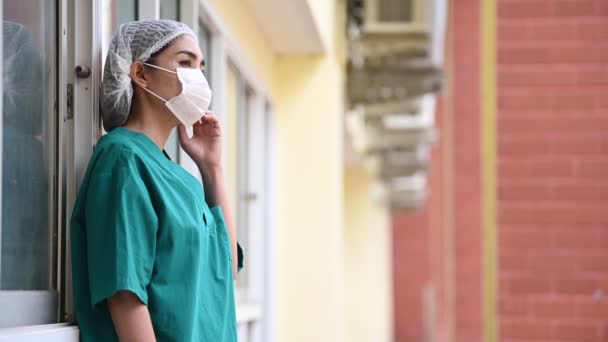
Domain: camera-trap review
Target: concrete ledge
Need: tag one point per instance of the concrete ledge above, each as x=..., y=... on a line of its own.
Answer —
x=294, y=30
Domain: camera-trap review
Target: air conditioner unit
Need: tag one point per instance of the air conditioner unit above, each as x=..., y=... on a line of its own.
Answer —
x=395, y=16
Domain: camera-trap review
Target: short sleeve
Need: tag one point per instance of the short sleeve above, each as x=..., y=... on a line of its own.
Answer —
x=121, y=227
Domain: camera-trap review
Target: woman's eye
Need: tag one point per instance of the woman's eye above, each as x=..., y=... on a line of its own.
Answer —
x=185, y=63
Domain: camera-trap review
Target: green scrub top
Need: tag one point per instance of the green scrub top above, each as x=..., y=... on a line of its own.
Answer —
x=141, y=224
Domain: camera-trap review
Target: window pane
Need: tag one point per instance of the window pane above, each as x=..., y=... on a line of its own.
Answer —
x=169, y=9
x=114, y=13
x=28, y=159
x=395, y=10
x=204, y=39
x=237, y=113
x=126, y=10
x=232, y=139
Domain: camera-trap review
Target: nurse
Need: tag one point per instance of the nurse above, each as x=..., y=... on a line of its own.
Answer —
x=154, y=253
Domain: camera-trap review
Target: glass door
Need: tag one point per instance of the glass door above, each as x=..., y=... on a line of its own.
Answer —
x=28, y=196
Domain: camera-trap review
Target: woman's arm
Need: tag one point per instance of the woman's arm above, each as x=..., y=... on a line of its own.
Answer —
x=205, y=148
x=131, y=318
x=217, y=194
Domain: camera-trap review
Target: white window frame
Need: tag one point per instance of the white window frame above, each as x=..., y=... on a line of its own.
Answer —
x=60, y=332
x=148, y=9
x=1, y=128
x=38, y=306
x=78, y=44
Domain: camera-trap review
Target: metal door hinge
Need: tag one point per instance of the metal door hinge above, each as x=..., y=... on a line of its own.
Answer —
x=70, y=102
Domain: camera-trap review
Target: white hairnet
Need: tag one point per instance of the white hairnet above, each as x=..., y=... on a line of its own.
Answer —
x=134, y=41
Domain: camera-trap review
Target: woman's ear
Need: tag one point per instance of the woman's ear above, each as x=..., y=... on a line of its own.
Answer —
x=138, y=74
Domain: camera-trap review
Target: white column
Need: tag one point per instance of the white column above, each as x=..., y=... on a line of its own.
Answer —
x=1, y=138
x=148, y=9
x=188, y=14
x=270, y=228
x=256, y=199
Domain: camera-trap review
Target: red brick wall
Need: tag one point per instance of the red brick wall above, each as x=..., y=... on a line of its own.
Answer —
x=441, y=185
x=553, y=169
x=411, y=273
x=466, y=97
x=419, y=257
x=446, y=235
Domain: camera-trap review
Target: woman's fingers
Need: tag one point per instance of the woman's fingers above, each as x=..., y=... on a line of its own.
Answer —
x=207, y=125
x=211, y=121
x=202, y=126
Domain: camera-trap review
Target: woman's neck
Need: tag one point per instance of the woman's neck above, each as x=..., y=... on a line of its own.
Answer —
x=155, y=123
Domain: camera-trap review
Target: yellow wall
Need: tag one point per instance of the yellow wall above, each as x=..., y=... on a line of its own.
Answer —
x=309, y=150
x=230, y=128
x=249, y=36
x=310, y=200
x=367, y=261
x=308, y=95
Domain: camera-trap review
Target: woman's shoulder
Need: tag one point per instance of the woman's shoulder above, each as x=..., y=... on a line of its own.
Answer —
x=117, y=142
x=115, y=151
x=113, y=147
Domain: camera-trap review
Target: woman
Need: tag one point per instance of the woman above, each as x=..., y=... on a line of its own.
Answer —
x=154, y=257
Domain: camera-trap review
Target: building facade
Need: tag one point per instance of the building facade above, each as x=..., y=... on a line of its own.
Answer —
x=512, y=242
x=317, y=245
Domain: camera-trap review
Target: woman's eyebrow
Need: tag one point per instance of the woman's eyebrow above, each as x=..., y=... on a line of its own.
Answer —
x=192, y=55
